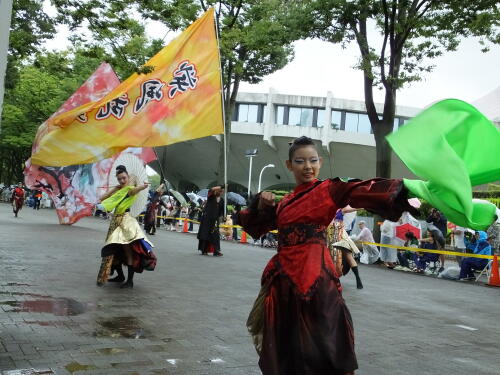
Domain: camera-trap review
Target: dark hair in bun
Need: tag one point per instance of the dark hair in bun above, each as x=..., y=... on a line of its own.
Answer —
x=299, y=143
x=121, y=169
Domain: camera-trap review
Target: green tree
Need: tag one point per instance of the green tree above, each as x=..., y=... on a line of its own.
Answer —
x=34, y=98
x=30, y=27
x=411, y=33
x=108, y=31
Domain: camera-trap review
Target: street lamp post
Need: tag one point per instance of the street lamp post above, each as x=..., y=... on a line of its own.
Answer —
x=250, y=154
x=260, y=176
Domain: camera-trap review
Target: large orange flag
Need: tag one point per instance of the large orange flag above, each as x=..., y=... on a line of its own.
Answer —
x=180, y=100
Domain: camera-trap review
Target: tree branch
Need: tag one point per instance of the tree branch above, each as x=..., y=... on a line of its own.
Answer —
x=384, y=43
x=361, y=38
x=235, y=15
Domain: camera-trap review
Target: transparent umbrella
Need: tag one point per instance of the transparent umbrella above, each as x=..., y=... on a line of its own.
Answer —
x=193, y=197
x=203, y=193
x=236, y=198
x=180, y=198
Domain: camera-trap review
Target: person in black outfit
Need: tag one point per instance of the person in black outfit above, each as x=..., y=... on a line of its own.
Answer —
x=440, y=222
x=208, y=233
x=193, y=210
x=234, y=217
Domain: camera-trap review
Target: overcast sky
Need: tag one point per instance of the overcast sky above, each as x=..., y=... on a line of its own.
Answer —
x=318, y=67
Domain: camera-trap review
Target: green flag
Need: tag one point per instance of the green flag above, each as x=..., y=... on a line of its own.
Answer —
x=452, y=147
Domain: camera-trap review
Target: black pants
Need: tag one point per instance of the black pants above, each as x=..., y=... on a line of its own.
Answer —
x=403, y=260
x=36, y=204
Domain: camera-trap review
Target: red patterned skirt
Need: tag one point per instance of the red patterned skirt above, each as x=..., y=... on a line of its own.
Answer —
x=302, y=335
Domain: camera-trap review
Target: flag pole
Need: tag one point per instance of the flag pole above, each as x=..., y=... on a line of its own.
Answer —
x=162, y=172
x=216, y=21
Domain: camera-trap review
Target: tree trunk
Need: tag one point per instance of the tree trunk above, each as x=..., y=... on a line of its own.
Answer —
x=383, y=150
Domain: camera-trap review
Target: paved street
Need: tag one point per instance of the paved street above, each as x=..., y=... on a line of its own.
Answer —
x=188, y=316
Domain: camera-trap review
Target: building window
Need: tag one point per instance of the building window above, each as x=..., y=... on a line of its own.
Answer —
x=351, y=122
x=321, y=119
x=357, y=123
x=300, y=116
x=364, y=125
x=336, y=119
x=248, y=113
x=280, y=115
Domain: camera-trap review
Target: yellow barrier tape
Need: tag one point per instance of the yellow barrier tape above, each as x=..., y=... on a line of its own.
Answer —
x=197, y=222
x=418, y=250
x=412, y=249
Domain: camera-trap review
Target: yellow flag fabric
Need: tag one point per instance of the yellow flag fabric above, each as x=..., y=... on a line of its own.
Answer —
x=180, y=100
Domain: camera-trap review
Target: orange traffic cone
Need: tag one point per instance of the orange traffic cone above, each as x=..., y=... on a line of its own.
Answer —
x=494, y=276
x=243, y=238
x=185, y=228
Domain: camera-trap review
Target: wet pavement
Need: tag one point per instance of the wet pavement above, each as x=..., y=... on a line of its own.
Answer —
x=187, y=317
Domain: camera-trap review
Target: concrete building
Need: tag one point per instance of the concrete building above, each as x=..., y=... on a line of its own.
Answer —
x=267, y=122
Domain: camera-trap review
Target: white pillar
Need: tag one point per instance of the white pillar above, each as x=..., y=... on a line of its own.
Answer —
x=5, y=14
x=269, y=120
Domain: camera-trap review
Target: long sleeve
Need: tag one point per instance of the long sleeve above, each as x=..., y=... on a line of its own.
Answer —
x=257, y=222
x=385, y=197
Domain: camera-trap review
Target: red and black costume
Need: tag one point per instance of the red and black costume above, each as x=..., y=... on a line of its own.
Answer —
x=151, y=210
x=17, y=199
x=300, y=323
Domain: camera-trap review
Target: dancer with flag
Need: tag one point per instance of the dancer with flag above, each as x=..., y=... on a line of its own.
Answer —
x=126, y=243
x=300, y=323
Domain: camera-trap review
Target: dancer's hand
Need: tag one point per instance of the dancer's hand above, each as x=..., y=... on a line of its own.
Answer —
x=266, y=200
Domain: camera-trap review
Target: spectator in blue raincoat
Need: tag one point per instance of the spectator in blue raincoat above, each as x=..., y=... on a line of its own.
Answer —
x=482, y=247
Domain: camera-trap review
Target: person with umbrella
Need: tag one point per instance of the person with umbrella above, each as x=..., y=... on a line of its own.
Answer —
x=370, y=252
x=208, y=232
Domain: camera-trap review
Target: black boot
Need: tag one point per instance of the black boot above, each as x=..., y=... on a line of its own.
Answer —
x=359, y=284
x=130, y=279
x=120, y=278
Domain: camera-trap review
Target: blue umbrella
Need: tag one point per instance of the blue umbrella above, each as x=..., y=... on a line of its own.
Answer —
x=236, y=198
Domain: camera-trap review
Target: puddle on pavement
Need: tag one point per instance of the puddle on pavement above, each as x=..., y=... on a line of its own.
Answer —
x=124, y=326
x=34, y=295
x=56, y=306
x=75, y=366
x=28, y=371
x=111, y=351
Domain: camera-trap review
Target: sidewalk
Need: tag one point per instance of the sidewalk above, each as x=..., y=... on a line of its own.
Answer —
x=188, y=316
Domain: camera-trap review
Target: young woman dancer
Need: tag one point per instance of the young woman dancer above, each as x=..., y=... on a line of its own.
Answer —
x=300, y=323
x=126, y=243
